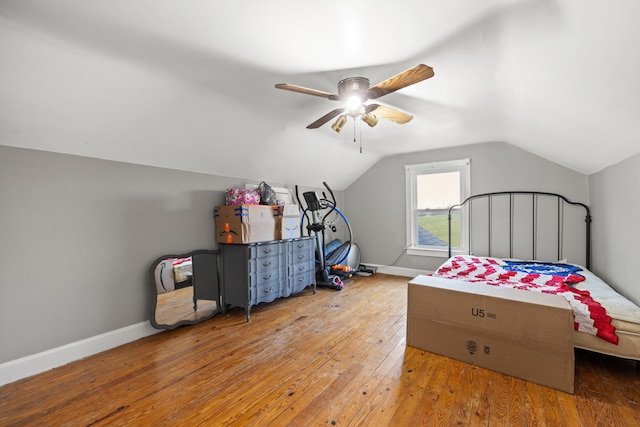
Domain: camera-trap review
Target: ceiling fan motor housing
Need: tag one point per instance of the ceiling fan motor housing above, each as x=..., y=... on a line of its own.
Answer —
x=353, y=91
x=350, y=86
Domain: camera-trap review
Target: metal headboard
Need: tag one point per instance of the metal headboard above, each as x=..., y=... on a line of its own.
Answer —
x=534, y=201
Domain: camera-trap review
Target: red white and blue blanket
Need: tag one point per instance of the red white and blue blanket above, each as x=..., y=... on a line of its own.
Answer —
x=553, y=278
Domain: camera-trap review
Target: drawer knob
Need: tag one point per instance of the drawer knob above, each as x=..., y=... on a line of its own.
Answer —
x=267, y=290
x=266, y=263
x=266, y=277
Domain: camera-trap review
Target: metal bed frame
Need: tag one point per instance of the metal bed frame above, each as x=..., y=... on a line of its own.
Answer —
x=561, y=201
x=575, y=214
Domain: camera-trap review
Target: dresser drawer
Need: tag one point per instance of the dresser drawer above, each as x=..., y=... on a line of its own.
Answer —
x=267, y=292
x=301, y=281
x=302, y=257
x=261, y=265
x=302, y=245
x=267, y=250
x=266, y=276
x=301, y=267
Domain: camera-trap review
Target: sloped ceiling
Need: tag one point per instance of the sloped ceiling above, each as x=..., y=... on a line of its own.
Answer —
x=190, y=84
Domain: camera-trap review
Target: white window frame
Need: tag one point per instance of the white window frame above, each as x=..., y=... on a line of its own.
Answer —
x=463, y=166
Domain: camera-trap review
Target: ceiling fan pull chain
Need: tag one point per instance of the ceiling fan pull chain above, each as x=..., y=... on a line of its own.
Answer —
x=354, y=134
x=354, y=130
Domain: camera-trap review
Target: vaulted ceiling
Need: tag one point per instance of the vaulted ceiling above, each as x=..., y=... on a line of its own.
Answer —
x=190, y=84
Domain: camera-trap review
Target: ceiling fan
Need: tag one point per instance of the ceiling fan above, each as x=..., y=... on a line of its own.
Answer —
x=355, y=91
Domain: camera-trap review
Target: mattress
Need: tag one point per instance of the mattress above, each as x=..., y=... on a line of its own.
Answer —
x=625, y=317
x=624, y=314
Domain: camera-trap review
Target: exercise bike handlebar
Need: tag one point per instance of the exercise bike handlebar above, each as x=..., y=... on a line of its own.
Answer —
x=332, y=203
x=333, y=197
x=324, y=202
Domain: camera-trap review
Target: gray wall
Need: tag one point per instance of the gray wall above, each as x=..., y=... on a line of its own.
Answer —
x=77, y=236
x=615, y=203
x=375, y=203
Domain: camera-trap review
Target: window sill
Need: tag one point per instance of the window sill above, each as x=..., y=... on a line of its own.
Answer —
x=432, y=252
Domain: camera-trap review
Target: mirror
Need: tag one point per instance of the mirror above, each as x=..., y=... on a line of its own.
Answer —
x=185, y=289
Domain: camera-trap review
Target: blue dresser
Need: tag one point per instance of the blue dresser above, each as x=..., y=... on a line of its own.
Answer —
x=254, y=273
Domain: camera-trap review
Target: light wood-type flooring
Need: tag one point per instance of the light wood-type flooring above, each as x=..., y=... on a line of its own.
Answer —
x=333, y=358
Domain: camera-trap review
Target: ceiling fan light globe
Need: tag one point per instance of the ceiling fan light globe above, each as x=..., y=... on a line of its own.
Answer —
x=354, y=103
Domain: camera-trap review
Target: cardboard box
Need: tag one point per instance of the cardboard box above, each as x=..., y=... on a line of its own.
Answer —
x=290, y=222
x=246, y=223
x=524, y=334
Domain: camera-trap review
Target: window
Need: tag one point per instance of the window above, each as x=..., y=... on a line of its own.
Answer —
x=432, y=188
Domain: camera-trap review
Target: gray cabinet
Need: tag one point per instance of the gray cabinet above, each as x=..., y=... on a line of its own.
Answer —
x=261, y=272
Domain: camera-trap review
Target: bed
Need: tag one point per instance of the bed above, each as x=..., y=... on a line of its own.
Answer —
x=541, y=242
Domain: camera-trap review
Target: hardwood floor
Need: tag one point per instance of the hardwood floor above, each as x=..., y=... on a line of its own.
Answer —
x=334, y=358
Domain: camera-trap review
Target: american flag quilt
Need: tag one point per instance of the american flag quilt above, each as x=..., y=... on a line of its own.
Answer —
x=553, y=278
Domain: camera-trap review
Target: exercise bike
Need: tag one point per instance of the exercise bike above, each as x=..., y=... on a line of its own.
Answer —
x=330, y=257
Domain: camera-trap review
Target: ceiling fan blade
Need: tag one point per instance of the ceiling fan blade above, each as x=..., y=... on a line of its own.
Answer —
x=324, y=119
x=388, y=113
x=406, y=78
x=307, y=91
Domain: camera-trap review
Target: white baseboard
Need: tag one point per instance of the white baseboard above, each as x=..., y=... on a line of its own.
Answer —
x=40, y=362
x=398, y=271
x=27, y=366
